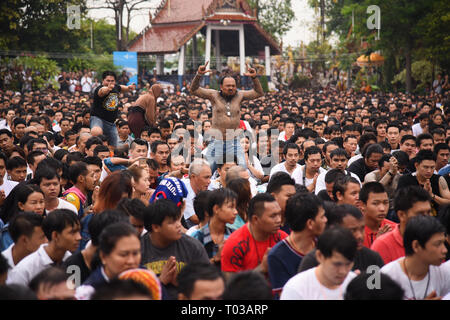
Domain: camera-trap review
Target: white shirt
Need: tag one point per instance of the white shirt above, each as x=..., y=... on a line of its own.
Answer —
x=306, y=286
x=353, y=159
x=31, y=265
x=63, y=204
x=8, y=256
x=416, y=129
x=281, y=167
x=86, y=84
x=321, y=185
x=8, y=185
x=189, y=210
x=438, y=277
x=297, y=175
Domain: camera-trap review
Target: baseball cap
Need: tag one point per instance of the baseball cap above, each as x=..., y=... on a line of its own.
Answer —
x=170, y=188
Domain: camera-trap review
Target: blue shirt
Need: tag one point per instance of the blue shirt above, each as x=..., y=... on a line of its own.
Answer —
x=445, y=170
x=283, y=261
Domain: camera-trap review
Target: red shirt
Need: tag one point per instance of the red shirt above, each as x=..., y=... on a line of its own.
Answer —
x=390, y=245
x=370, y=236
x=242, y=252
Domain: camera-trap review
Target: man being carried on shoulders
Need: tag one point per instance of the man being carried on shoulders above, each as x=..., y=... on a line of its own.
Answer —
x=226, y=113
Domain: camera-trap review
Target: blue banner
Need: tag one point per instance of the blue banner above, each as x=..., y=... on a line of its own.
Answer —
x=127, y=61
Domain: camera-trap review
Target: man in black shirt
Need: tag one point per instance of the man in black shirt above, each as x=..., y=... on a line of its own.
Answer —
x=368, y=163
x=425, y=163
x=105, y=107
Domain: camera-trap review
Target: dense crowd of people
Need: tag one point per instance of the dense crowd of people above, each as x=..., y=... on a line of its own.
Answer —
x=129, y=193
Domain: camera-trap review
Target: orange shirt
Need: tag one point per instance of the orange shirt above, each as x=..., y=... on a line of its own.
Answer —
x=370, y=236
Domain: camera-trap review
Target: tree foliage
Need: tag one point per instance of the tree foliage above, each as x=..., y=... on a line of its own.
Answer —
x=410, y=31
x=275, y=16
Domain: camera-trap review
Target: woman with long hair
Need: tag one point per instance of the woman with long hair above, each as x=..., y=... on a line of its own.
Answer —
x=242, y=188
x=141, y=184
x=24, y=197
x=119, y=250
x=116, y=186
x=253, y=164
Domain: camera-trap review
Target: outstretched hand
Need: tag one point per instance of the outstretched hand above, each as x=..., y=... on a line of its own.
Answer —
x=251, y=72
x=202, y=69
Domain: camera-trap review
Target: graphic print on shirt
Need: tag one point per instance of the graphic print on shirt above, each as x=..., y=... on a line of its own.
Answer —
x=111, y=102
x=239, y=252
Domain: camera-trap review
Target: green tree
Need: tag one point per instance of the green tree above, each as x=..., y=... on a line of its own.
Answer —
x=43, y=27
x=275, y=16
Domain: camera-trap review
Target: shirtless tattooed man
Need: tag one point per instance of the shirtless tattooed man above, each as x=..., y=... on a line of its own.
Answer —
x=226, y=115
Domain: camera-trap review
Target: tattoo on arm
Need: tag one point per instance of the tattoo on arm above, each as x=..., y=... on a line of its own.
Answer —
x=443, y=183
x=195, y=83
x=196, y=90
x=256, y=92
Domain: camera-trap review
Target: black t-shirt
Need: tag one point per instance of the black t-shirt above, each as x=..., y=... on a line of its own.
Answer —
x=323, y=194
x=77, y=260
x=106, y=107
x=410, y=180
x=359, y=168
x=186, y=250
x=364, y=258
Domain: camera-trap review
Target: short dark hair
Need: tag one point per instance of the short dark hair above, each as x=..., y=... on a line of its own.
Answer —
x=300, y=208
x=15, y=162
x=201, y=204
x=158, y=211
x=278, y=180
x=99, y=222
x=109, y=73
x=219, y=197
x=408, y=137
x=45, y=172
x=132, y=207
x=312, y=150
x=154, y=145
x=373, y=148
x=337, y=239
x=193, y=272
x=440, y=146
x=92, y=141
x=257, y=203
x=247, y=285
x=32, y=155
x=77, y=169
x=100, y=148
x=53, y=163
x=357, y=289
x=341, y=185
x=113, y=233
x=423, y=136
x=423, y=155
x=333, y=174
x=23, y=224
x=406, y=197
x=58, y=220
x=370, y=187
x=118, y=288
x=339, y=152
x=138, y=141
x=96, y=161
x=420, y=228
x=49, y=277
x=290, y=145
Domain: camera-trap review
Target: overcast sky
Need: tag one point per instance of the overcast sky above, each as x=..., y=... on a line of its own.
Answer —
x=304, y=17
